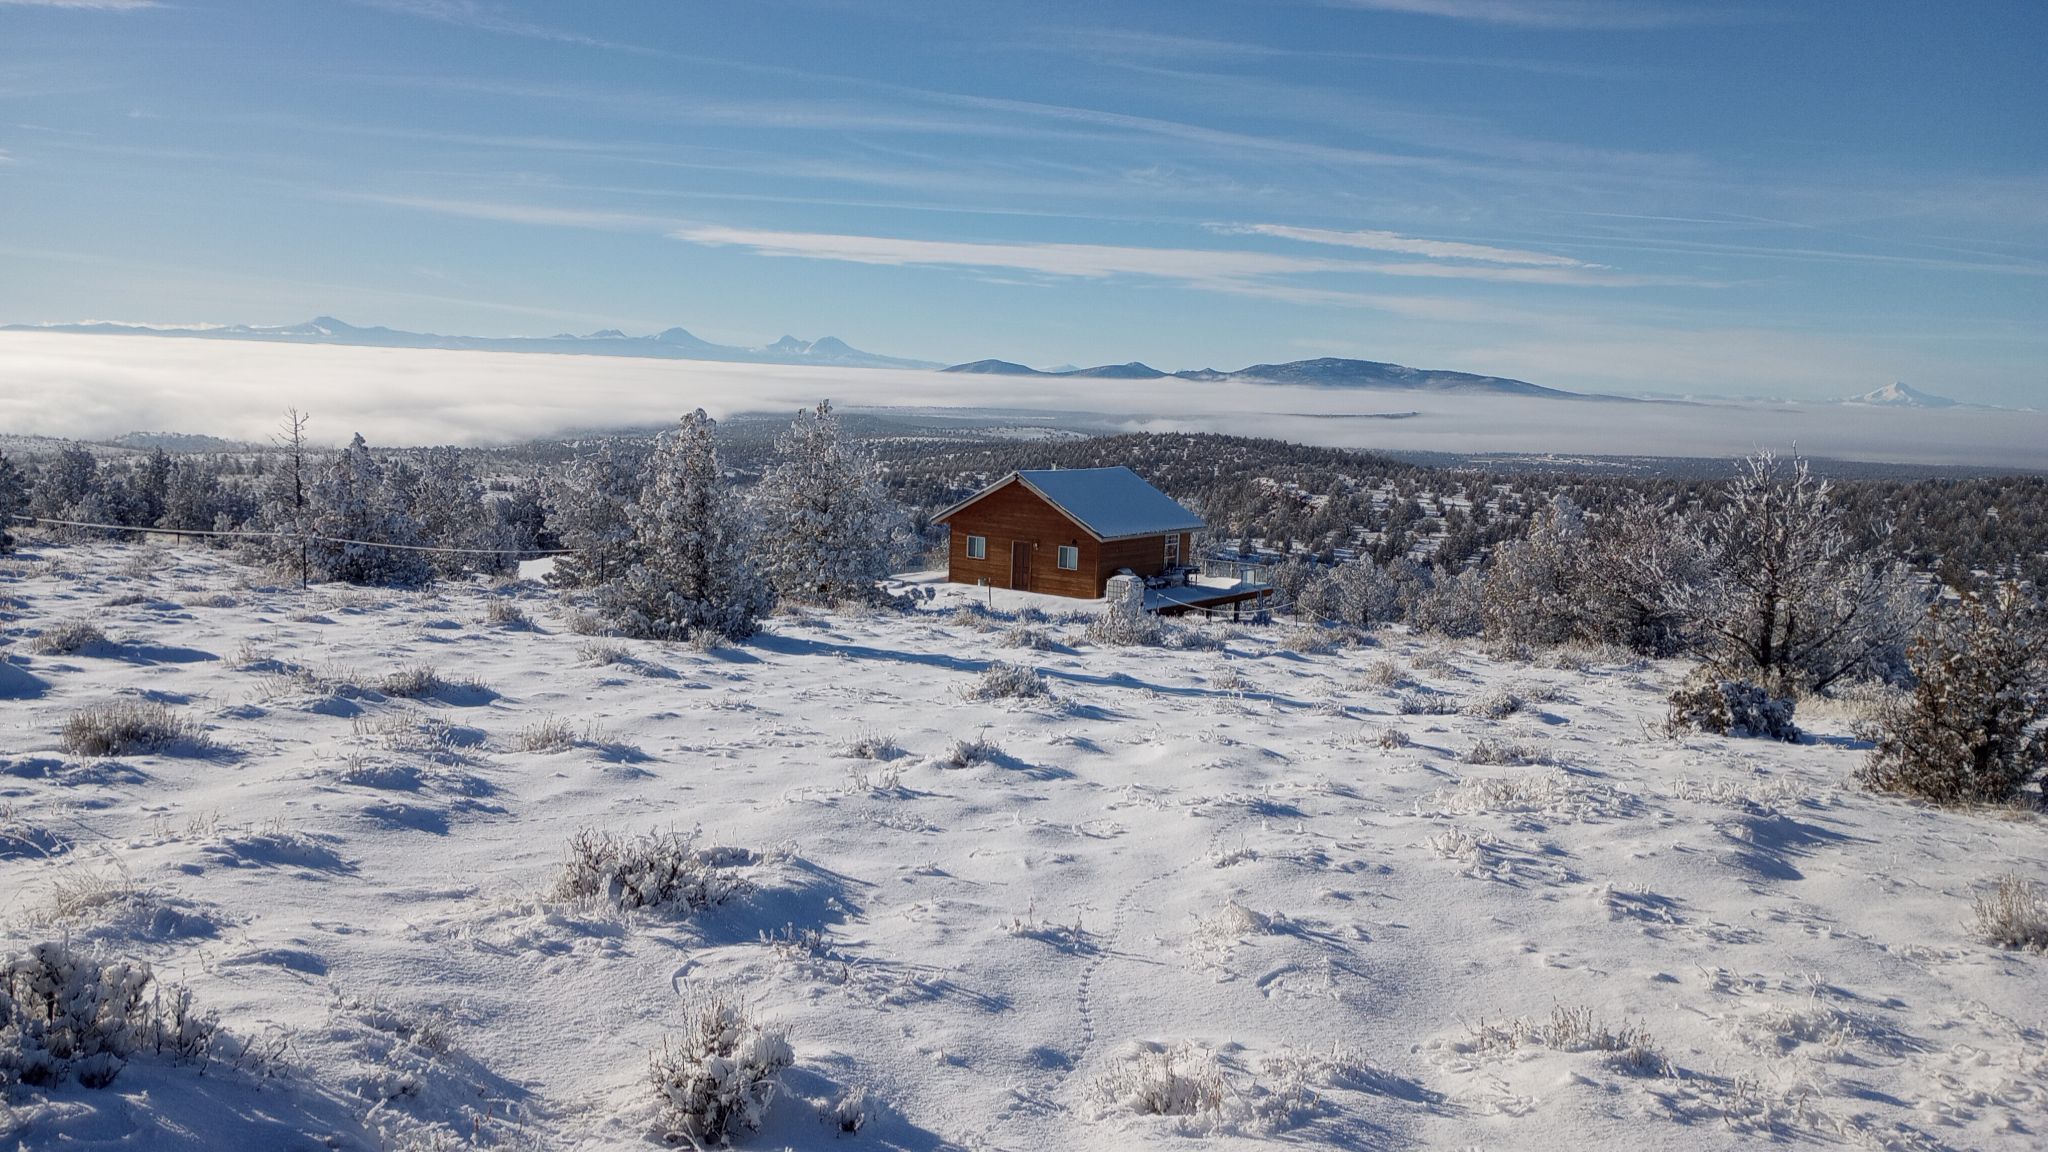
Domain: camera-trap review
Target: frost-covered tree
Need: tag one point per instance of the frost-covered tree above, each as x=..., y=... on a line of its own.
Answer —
x=1970, y=732
x=65, y=484
x=353, y=511
x=283, y=503
x=827, y=526
x=519, y=522
x=1785, y=600
x=448, y=503
x=586, y=510
x=1449, y=604
x=1640, y=557
x=192, y=499
x=691, y=571
x=1535, y=588
x=13, y=500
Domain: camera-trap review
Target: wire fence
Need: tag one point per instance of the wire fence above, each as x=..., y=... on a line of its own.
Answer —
x=298, y=537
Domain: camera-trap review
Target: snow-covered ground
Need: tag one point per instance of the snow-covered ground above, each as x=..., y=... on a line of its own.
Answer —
x=1362, y=943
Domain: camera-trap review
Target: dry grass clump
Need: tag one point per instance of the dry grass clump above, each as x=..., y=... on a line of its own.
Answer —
x=2014, y=914
x=1390, y=738
x=1573, y=1029
x=1503, y=753
x=411, y=682
x=599, y=653
x=211, y=600
x=1494, y=704
x=661, y=871
x=968, y=753
x=128, y=728
x=1025, y=636
x=505, y=614
x=871, y=745
x=1000, y=681
x=548, y=734
x=67, y=638
x=1163, y=1080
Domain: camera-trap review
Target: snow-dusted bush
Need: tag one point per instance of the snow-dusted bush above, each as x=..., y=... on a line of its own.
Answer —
x=67, y=637
x=968, y=753
x=13, y=500
x=1025, y=636
x=657, y=870
x=1311, y=639
x=1164, y=1080
x=128, y=728
x=65, y=1015
x=1970, y=732
x=1124, y=621
x=692, y=573
x=601, y=653
x=1450, y=605
x=719, y=1075
x=1381, y=673
x=1424, y=703
x=505, y=614
x=1494, y=704
x=1390, y=738
x=827, y=524
x=2014, y=914
x=1577, y=1028
x=1706, y=702
x=1000, y=681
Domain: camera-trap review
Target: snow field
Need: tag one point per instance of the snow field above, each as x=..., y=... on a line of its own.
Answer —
x=1398, y=894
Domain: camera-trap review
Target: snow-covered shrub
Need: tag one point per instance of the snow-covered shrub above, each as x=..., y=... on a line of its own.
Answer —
x=1124, y=621
x=1425, y=703
x=1025, y=636
x=1389, y=738
x=827, y=524
x=1191, y=638
x=1504, y=753
x=657, y=871
x=67, y=638
x=1164, y=1080
x=582, y=623
x=1311, y=639
x=411, y=682
x=1970, y=732
x=1706, y=702
x=1381, y=673
x=692, y=573
x=128, y=728
x=1000, y=681
x=64, y=1015
x=2014, y=915
x=600, y=653
x=968, y=753
x=719, y=1075
x=548, y=734
x=849, y=1114
x=870, y=745
x=1494, y=704
x=505, y=614
x=13, y=500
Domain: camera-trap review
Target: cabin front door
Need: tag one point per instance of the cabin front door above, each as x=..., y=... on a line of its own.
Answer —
x=1020, y=566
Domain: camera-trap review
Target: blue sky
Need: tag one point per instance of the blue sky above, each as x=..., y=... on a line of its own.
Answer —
x=1801, y=199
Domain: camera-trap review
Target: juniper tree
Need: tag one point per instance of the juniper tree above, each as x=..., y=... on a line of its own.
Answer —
x=691, y=571
x=448, y=503
x=13, y=500
x=1785, y=600
x=586, y=510
x=353, y=511
x=1970, y=732
x=827, y=526
x=1535, y=589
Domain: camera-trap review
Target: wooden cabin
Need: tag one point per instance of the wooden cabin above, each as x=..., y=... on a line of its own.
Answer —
x=1066, y=531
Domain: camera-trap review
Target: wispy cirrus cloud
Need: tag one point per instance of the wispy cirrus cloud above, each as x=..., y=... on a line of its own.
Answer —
x=1251, y=273
x=1378, y=241
x=1602, y=15
x=98, y=5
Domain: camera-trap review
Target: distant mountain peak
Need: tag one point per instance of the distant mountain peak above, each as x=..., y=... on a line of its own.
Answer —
x=1899, y=394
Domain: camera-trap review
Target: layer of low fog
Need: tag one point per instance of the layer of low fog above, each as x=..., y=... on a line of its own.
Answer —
x=102, y=386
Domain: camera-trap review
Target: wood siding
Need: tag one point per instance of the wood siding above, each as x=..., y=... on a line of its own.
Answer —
x=1014, y=514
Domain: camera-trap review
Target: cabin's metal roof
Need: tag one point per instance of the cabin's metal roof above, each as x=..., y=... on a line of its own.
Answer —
x=1109, y=503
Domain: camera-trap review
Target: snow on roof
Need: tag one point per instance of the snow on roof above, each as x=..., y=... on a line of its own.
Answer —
x=1111, y=503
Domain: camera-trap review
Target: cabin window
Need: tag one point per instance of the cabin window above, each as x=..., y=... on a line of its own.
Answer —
x=1070, y=557
x=977, y=547
x=1173, y=551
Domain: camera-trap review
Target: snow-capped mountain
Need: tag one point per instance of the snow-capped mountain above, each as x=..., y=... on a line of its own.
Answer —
x=1899, y=394
x=672, y=343
x=1327, y=372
